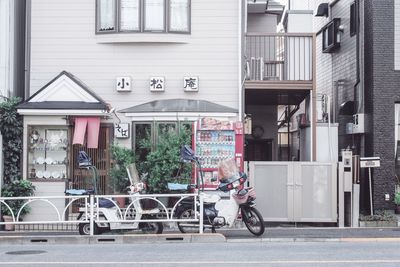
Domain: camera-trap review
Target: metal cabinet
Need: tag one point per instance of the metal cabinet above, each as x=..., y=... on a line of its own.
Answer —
x=295, y=191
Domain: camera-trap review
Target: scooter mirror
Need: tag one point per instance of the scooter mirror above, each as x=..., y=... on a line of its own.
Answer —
x=214, y=179
x=187, y=154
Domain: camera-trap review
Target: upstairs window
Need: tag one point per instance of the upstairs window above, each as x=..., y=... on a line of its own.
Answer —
x=115, y=16
x=353, y=19
x=331, y=36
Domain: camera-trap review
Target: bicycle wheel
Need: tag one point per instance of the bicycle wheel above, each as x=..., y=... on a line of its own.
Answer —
x=253, y=220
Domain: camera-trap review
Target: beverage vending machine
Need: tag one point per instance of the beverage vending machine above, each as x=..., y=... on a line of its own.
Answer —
x=216, y=140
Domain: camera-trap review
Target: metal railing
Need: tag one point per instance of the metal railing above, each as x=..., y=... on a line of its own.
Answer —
x=91, y=212
x=280, y=56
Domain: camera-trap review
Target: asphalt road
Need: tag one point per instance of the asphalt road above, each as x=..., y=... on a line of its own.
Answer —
x=367, y=253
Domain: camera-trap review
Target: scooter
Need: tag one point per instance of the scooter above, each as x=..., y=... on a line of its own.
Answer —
x=109, y=217
x=238, y=203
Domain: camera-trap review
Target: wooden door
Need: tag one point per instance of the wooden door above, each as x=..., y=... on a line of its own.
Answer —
x=101, y=158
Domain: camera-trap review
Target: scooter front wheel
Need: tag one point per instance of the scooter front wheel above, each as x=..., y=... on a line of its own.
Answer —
x=187, y=227
x=84, y=229
x=253, y=220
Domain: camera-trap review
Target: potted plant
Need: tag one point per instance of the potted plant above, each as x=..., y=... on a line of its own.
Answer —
x=121, y=158
x=396, y=201
x=17, y=188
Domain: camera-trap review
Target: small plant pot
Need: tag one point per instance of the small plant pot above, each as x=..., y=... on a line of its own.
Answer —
x=8, y=226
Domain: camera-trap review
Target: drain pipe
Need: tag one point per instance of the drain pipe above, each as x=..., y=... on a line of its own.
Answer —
x=357, y=94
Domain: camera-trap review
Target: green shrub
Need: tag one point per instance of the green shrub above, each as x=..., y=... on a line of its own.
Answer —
x=380, y=215
x=121, y=158
x=18, y=188
x=163, y=163
x=11, y=129
x=396, y=199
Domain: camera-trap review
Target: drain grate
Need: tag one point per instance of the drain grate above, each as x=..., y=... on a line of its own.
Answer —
x=25, y=252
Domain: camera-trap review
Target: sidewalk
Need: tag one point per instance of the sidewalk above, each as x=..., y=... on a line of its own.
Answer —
x=272, y=234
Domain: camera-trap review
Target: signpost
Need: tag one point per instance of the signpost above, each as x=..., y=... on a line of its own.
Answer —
x=371, y=162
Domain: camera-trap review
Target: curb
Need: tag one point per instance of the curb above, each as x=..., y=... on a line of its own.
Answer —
x=113, y=239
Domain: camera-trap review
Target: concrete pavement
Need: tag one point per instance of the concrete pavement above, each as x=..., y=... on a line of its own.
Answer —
x=273, y=234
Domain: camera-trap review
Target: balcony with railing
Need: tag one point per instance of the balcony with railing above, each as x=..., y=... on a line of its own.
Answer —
x=279, y=61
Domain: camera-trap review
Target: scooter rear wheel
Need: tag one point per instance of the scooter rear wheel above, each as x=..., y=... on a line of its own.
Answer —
x=84, y=229
x=187, y=227
x=253, y=220
x=151, y=227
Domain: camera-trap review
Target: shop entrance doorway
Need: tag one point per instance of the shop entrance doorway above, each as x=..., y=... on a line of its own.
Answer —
x=101, y=158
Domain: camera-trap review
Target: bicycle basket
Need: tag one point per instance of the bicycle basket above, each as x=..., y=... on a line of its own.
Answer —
x=242, y=198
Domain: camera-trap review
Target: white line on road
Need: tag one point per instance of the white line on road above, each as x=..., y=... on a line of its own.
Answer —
x=209, y=262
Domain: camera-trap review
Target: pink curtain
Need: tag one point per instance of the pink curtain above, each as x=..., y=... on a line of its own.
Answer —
x=93, y=130
x=80, y=130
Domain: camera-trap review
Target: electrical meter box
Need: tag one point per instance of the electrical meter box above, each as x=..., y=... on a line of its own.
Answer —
x=347, y=159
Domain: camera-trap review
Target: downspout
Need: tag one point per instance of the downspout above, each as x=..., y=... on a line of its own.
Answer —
x=240, y=67
x=357, y=94
x=27, y=49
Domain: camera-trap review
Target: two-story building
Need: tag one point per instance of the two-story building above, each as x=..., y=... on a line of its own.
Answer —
x=121, y=68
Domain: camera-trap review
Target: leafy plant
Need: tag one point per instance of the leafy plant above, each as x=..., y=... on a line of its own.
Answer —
x=163, y=163
x=379, y=216
x=121, y=157
x=11, y=128
x=396, y=199
x=18, y=188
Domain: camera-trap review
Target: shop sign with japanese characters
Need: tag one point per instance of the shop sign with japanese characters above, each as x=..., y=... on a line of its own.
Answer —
x=191, y=84
x=123, y=84
x=157, y=84
x=121, y=130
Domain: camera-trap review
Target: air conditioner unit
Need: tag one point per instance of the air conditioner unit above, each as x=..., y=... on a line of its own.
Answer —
x=256, y=68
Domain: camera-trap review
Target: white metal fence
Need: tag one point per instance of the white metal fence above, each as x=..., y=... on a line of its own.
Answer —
x=90, y=210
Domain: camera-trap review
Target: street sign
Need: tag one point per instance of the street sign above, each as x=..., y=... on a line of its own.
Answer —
x=371, y=162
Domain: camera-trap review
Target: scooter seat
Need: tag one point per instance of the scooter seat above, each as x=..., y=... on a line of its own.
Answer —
x=211, y=198
x=105, y=203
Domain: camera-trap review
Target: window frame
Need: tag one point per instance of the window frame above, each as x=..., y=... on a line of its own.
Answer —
x=97, y=20
x=354, y=19
x=119, y=30
x=164, y=28
x=189, y=16
x=331, y=29
x=142, y=19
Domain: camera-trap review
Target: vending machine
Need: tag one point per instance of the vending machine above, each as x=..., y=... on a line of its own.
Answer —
x=216, y=140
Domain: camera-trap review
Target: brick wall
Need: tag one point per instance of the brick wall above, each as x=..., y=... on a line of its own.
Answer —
x=382, y=91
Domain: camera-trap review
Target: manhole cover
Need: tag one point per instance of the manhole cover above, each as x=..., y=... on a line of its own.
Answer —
x=25, y=252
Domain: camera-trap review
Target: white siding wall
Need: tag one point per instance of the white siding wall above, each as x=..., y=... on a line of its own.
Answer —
x=397, y=35
x=5, y=40
x=63, y=38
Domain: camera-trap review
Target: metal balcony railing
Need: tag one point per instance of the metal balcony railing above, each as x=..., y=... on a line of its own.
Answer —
x=280, y=56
